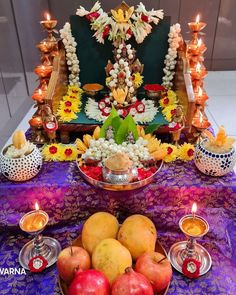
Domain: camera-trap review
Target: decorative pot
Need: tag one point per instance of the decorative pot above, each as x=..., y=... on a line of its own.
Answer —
x=214, y=164
x=21, y=169
x=119, y=176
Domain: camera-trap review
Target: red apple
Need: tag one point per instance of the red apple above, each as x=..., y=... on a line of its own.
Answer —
x=70, y=259
x=156, y=268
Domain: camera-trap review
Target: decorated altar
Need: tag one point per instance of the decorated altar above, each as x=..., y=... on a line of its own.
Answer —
x=120, y=180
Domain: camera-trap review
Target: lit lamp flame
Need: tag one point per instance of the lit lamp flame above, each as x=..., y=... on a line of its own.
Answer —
x=194, y=209
x=36, y=204
x=197, y=19
x=40, y=93
x=199, y=43
x=43, y=68
x=48, y=16
x=198, y=67
x=199, y=91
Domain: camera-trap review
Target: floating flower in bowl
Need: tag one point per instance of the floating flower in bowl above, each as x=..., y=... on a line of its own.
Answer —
x=215, y=156
x=21, y=160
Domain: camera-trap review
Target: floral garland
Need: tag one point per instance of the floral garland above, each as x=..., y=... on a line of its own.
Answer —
x=70, y=104
x=71, y=56
x=121, y=25
x=169, y=103
x=170, y=59
x=59, y=152
x=142, y=111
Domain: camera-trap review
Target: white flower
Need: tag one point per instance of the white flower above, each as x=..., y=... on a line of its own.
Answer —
x=130, y=56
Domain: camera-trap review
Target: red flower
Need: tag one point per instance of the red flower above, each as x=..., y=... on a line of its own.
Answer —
x=67, y=111
x=173, y=112
x=92, y=15
x=166, y=100
x=105, y=32
x=53, y=149
x=37, y=263
x=129, y=32
x=190, y=152
x=144, y=18
x=68, y=103
x=68, y=152
x=191, y=268
x=169, y=150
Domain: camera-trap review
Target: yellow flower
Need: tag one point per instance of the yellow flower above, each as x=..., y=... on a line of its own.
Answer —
x=141, y=132
x=169, y=111
x=51, y=152
x=66, y=115
x=186, y=152
x=68, y=104
x=68, y=153
x=169, y=99
x=108, y=80
x=172, y=152
x=74, y=89
x=138, y=80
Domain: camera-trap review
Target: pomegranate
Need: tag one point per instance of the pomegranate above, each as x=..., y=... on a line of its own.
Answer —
x=131, y=283
x=89, y=282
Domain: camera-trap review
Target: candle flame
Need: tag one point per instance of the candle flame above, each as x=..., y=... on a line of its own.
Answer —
x=43, y=68
x=199, y=43
x=36, y=204
x=40, y=92
x=197, y=18
x=199, y=91
x=198, y=67
x=48, y=16
x=194, y=208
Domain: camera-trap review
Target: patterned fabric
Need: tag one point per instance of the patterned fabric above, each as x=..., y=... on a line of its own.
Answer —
x=68, y=200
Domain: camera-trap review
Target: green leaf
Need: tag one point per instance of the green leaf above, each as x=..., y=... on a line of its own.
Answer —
x=115, y=123
x=152, y=128
x=108, y=122
x=127, y=125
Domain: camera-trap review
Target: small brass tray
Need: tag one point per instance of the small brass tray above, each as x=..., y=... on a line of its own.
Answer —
x=78, y=242
x=121, y=187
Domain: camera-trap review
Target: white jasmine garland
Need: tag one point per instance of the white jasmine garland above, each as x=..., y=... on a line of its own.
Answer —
x=92, y=111
x=71, y=56
x=170, y=59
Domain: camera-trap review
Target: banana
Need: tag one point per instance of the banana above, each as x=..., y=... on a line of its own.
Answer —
x=96, y=132
x=159, y=154
x=80, y=145
x=86, y=139
x=141, y=132
x=120, y=94
x=121, y=16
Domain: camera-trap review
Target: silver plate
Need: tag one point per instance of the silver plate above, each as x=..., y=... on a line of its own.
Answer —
x=202, y=255
x=26, y=252
x=120, y=186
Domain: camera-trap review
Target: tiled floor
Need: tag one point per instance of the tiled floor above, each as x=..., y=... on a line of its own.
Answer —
x=221, y=110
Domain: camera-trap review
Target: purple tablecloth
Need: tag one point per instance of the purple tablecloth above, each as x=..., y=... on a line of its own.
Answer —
x=68, y=200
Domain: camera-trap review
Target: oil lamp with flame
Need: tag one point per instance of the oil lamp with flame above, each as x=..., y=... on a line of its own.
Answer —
x=196, y=26
x=49, y=25
x=34, y=222
x=193, y=227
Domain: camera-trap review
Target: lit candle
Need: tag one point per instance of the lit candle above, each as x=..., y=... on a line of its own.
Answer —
x=39, y=95
x=198, y=68
x=194, y=209
x=43, y=70
x=34, y=220
x=200, y=96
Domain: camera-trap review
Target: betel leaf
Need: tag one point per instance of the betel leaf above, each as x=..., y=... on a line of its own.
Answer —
x=151, y=128
x=127, y=125
x=108, y=122
x=115, y=123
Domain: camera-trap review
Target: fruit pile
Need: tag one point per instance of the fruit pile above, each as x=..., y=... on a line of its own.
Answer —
x=103, y=265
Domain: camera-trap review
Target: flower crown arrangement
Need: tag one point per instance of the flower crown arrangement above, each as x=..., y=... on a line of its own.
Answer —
x=122, y=24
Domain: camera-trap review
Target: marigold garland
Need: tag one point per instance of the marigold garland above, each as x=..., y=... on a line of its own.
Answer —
x=70, y=104
x=59, y=152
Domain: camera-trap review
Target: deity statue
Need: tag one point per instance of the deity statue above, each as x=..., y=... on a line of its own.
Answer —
x=50, y=124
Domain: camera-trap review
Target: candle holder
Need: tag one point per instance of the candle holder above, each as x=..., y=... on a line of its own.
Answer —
x=200, y=123
x=194, y=227
x=34, y=222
